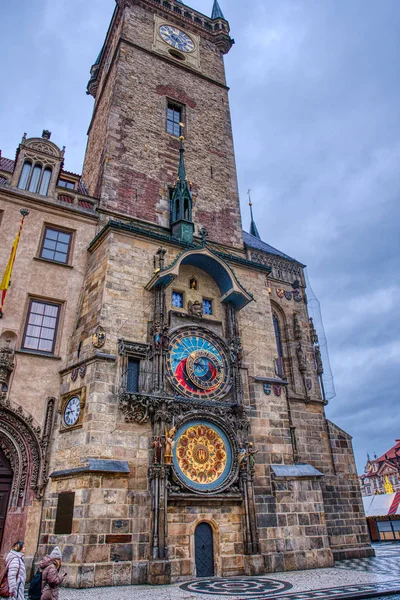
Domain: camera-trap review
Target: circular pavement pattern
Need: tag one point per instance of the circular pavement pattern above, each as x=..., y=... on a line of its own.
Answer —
x=244, y=587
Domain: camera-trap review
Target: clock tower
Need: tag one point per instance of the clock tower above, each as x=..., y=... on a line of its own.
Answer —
x=192, y=436
x=162, y=65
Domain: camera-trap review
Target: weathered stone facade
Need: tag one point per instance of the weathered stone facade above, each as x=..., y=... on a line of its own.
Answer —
x=127, y=492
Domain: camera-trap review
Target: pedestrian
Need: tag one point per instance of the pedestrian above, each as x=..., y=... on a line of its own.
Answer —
x=16, y=571
x=51, y=578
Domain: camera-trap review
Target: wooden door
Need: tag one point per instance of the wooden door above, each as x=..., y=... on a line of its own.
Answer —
x=5, y=490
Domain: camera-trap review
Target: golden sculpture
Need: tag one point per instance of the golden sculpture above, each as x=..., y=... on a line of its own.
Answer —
x=169, y=445
x=388, y=486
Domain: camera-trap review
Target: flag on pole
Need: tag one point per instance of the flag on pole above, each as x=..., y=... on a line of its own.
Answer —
x=6, y=281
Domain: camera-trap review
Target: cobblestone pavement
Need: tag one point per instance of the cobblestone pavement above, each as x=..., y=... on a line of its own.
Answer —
x=348, y=579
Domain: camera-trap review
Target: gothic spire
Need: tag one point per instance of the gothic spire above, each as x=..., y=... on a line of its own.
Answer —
x=216, y=11
x=253, y=226
x=181, y=213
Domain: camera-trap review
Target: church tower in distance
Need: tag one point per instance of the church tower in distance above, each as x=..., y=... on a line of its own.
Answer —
x=191, y=437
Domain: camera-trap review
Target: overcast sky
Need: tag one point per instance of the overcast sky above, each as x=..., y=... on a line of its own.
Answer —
x=315, y=107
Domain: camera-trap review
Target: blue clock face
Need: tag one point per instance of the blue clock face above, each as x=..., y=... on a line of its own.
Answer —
x=197, y=365
x=176, y=38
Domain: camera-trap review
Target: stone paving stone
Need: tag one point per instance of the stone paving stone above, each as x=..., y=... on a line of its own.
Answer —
x=307, y=585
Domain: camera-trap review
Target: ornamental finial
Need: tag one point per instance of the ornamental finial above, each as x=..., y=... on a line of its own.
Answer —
x=253, y=226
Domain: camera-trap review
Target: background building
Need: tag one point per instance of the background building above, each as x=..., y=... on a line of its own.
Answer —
x=382, y=472
x=174, y=350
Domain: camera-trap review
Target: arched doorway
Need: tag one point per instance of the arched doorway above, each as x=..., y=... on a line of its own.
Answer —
x=204, y=550
x=6, y=476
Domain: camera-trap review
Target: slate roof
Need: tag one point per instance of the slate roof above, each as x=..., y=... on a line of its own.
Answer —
x=391, y=453
x=253, y=242
x=6, y=164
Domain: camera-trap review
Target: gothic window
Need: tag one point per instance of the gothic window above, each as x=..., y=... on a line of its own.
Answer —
x=56, y=245
x=278, y=338
x=64, y=513
x=174, y=118
x=177, y=299
x=132, y=379
x=44, y=184
x=36, y=179
x=207, y=307
x=70, y=185
x=23, y=178
x=41, y=326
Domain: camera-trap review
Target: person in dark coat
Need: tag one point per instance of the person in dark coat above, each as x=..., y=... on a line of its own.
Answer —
x=51, y=579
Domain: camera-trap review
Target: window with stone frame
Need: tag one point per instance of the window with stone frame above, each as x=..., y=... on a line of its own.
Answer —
x=41, y=326
x=174, y=119
x=56, y=245
x=35, y=178
x=134, y=366
x=207, y=306
x=279, y=346
x=69, y=185
x=177, y=299
x=132, y=375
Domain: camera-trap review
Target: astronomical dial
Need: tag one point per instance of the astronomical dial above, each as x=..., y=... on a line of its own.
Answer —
x=197, y=365
x=72, y=411
x=176, y=38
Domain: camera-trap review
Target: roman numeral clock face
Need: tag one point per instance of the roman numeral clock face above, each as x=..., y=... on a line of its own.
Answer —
x=197, y=365
x=177, y=39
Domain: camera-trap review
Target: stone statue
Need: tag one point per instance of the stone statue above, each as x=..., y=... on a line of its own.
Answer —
x=301, y=357
x=318, y=360
x=169, y=444
x=157, y=446
x=242, y=459
x=195, y=308
x=297, y=327
x=252, y=460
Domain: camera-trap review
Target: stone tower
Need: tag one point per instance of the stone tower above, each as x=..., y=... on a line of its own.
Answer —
x=162, y=64
x=191, y=434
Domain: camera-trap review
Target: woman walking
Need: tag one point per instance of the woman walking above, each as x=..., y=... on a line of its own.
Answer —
x=16, y=571
x=51, y=578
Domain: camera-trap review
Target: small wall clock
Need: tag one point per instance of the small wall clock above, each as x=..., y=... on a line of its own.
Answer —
x=176, y=38
x=72, y=411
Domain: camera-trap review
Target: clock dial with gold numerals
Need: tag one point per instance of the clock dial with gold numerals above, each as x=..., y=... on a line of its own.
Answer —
x=197, y=365
x=176, y=38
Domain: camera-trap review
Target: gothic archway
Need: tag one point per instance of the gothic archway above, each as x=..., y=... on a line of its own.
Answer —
x=25, y=447
x=6, y=477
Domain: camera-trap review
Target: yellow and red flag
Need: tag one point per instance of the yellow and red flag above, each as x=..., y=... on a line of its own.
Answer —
x=6, y=280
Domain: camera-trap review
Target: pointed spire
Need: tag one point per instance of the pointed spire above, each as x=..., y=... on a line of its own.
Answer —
x=253, y=227
x=181, y=169
x=181, y=216
x=216, y=11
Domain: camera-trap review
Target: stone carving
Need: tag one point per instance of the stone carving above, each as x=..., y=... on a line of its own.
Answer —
x=318, y=360
x=6, y=365
x=281, y=269
x=157, y=449
x=243, y=455
x=301, y=358
x=195, y=308
x=252, y=458
x=44, y=147
x=313, y=332
x=136, y=407
x=297, y=327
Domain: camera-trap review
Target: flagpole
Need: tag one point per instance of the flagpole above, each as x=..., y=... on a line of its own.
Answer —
x=6, y=281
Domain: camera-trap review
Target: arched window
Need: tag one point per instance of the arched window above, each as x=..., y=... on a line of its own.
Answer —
x=278, y=339
x=23, y=178
x=34, y=182
x=44, y=185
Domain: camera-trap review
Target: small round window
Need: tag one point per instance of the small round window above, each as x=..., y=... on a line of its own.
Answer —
x=177, y=55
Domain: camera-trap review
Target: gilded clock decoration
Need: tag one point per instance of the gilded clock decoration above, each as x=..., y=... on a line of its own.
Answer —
x=197, y=365
x=202, y=455
x=176, y=38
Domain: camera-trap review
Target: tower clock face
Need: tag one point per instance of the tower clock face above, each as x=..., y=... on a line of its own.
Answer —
x=176, y=38
x=72, y=411
x=197, y=365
